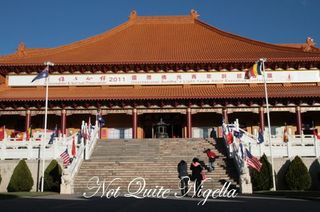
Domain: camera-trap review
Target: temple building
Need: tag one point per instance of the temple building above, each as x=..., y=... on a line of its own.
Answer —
x=174, y=69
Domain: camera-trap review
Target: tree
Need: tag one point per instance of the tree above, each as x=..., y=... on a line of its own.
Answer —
x=0, y=178
x=52, y=176
x=297, y=176
x=21, y=179
x=262, y=180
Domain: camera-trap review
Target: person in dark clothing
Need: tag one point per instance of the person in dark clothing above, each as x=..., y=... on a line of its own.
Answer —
x=213, y=135
x=196, y=176
x=183, y=176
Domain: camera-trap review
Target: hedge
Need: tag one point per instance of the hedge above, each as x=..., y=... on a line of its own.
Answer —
x=297, y=176
x=21, y=179
x=52, y=177
x=262, y=180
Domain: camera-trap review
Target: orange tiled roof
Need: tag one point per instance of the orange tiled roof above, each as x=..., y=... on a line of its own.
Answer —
x=156, y=39
x=158, y=92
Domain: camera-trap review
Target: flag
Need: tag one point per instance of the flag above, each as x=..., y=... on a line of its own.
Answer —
x=252, y=161
x=316, y=134
x=66, y=158
x=54, y=134
x=230, y=138
x=29, y=133
x=101, y=121
x=260, y=136
x=2, y=133
x=74, y=149
x=43, y=74
x=241, y=151
x=89, y=128
x=84, y=131
x=237, y=134
x=285, y=134
x=254, y=71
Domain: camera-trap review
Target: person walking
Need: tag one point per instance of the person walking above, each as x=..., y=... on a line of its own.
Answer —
x=213, y=135
x=183, y=176
x=212, y=158
x=196, y=176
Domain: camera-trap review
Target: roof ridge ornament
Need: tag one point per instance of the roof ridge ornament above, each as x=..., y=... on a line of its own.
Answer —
x=133, y=15
x=21, y=50
x=194, y=14
x=310, y=45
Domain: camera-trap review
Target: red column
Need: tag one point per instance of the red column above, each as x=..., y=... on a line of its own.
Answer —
x=28, y=119
x=299, y=125
x=261, y=115
x=63, y=121
x=189, y=123
x=134, y=123
x=225, y=115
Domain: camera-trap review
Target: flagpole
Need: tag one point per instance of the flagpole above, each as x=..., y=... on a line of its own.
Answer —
x=45, y=126
x=263, y=60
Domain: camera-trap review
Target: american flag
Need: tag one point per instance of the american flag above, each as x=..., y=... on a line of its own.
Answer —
x=252, y=161
x=66, y=158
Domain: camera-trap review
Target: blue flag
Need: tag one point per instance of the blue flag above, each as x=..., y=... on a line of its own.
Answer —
x=241, y=151
x=238, y=134
x=260, y=136
x=101, y=121
x=43, y=74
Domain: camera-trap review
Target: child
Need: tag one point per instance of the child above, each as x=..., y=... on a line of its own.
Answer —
x=211, y=157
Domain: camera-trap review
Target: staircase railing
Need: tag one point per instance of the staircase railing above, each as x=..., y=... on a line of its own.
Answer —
x=84, y=152
x=234, y=152
x=301, y=145
x=11, y=148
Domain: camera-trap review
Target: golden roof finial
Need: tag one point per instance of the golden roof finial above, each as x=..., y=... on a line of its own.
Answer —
x=194, y=14
x=21, y=50
x=310, y=45
x=133, y=15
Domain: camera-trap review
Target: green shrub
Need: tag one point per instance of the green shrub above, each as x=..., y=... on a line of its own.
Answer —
x=21, y=179
x=52, y=177
x=262, y=180
x=297, y=176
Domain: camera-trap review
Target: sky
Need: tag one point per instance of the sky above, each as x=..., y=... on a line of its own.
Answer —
x=51, y=23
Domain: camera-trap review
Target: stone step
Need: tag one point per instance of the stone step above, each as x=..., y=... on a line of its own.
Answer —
x=153, y=159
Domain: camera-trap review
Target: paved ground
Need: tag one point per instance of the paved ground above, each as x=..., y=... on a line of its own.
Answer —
x=73, y=203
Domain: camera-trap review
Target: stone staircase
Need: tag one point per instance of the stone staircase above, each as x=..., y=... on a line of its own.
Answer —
x=155, y=160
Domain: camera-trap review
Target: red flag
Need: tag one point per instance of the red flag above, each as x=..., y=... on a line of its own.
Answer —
x=230, y=138
x=316, y=134
x=27, y=136
x=89, y=128
x=2, y=129
x=73, y=150
x=285, y=134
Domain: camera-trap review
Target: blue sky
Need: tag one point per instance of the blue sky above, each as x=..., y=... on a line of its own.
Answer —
x=50, y=23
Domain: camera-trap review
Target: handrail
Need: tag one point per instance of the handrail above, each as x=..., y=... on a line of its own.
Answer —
x=301, y=145
x=13, y=149
x=84, y=151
